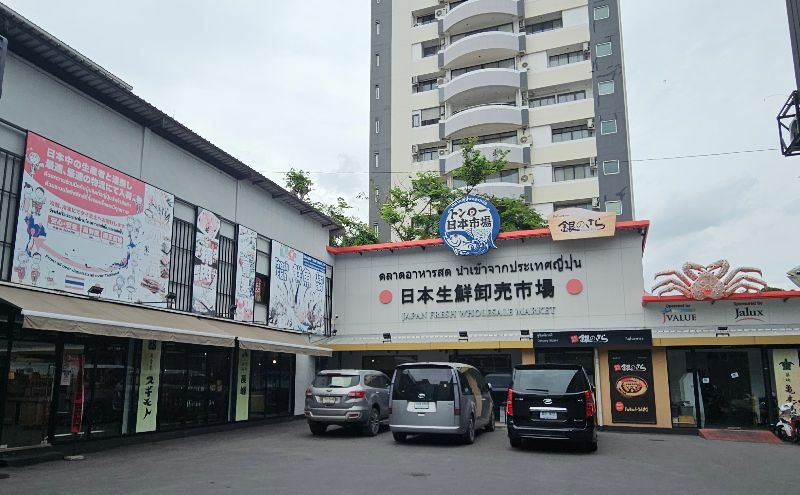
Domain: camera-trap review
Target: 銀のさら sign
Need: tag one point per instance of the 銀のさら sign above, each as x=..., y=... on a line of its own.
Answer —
x=578, y=223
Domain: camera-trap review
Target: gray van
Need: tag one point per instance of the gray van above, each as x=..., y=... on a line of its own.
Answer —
x=441, y=398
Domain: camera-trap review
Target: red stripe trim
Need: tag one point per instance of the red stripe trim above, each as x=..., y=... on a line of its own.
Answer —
x=777, y=294
x=518, y=234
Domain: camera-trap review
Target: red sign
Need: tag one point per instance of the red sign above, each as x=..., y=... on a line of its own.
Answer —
x=77, y=399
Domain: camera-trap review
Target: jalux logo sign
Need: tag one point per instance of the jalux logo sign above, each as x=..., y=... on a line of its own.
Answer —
x=469, y=226
x=749, y=311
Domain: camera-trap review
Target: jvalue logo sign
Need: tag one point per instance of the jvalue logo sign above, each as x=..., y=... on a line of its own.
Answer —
x=749, y=311
x=674, y=313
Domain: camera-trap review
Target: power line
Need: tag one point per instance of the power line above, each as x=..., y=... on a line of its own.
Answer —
x=635, y=160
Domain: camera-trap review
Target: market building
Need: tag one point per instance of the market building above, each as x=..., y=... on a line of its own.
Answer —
x=149, y=281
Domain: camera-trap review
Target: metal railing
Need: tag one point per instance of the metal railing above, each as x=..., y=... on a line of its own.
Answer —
x=789, y=126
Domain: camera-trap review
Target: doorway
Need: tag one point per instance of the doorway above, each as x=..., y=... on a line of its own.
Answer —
x=731, y=387
x=26, y=415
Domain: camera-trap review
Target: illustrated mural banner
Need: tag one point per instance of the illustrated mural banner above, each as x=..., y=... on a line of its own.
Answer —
x=147, y=409
x=206, y=256
x=245, y=274
x=579, y=223
x=297, y=290
x=82, y=223
x=630, y=375
x=786, y=363
x=243, y=386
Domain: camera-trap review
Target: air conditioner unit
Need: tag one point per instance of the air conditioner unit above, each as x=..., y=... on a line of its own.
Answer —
x=524, y=65
x=442, y=151
x=439, y=81
x=596, y=203
x=525, y=178
x=523, y=139
x=414, y=149
x=590, y=123
x=440, y=12
x=585, y=47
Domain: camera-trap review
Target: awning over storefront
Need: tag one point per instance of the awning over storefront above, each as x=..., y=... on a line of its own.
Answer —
x=406, y=342
x=44, y=310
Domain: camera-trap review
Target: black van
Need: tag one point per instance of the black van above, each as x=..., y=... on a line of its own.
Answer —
x=551, y=401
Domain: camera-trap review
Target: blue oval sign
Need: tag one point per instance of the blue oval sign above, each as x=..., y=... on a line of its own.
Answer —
x=469, y=226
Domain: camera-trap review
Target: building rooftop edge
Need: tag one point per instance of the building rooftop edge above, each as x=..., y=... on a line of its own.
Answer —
x=746, y=296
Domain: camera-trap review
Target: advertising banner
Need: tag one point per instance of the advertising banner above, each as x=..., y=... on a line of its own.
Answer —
x=206, y=256
x=592, y=339
x=149, y=375
x=631, y=382
x=243, y=386
x=297, y=290
x=787, y=375
x=83, y=224
x=578, y=223
x=245, y=274
x=78, y=397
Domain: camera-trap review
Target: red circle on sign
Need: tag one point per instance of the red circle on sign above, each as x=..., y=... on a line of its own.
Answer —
x=619, y=406
x=385, y=297
x=574, y=286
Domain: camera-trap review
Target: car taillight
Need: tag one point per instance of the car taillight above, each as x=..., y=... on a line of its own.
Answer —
x=356, y=394
x=589, y=403
x=510, y=403
x=308, y=392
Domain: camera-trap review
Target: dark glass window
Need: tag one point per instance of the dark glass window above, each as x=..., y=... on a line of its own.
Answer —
x=435, y=384
x=426, y=85
x=105, y=404
x=181, y=263
x=571, y=133
x=550, y=381
x=9, y=205
x=566, y=58
x=426, y=19
x=429, y=51
x=331, y=380
x=541, y=27
x=262, y=287
x=502, y=27
x=508, y=63
x=226, y=277
x=426, y=154
x=572, y=172
x=271, y=384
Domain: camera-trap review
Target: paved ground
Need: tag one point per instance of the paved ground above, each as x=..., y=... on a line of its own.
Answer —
x=286, y=459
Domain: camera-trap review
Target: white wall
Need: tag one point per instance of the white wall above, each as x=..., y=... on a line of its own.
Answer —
x=575, y=17
x=304, y=375
x=542, y=135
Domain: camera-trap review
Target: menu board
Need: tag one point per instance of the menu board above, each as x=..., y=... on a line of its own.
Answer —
x=631, y=383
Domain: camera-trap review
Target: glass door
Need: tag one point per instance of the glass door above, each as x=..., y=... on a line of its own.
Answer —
x=731, y=388
x=31, y=369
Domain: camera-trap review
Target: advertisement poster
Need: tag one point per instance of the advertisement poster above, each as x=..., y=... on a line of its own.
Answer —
x=245, y=274
x=84, y=224
x=787, y=375
x=206, y=256
x=631, y=378
x=297, y=290
x=147, y=409
x=243, y=386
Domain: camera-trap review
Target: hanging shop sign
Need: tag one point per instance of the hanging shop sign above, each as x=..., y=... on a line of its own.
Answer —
x=579, y=223
x=206, y=258
x=469, y=226
x=713, y=281
x=75, y=363
x=298, y=290
x=243, y=386
x=631, y=382
x=786, y=364
x=592, y=339
x=83, y=224
x=149, y=374
x=245, y=274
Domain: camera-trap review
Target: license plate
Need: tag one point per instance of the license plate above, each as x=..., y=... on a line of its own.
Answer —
x=329, y=400
x=548, y=415
x=420, y=405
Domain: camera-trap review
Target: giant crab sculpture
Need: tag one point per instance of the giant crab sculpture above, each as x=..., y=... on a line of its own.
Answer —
x=706, y=282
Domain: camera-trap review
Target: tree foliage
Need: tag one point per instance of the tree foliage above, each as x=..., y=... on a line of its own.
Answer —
x=413, y=212
x=298, y=182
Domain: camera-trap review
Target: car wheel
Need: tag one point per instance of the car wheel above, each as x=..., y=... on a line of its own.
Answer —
x=469, y=436
x=490, y=424
x=373, y=425
x=399, y=437
x=317, y=428
x=590, y=446
x=515, y=442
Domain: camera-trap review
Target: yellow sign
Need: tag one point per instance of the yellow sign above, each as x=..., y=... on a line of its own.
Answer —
x=578, y=223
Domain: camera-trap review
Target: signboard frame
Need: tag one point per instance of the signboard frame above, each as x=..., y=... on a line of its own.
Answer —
x=631, y=387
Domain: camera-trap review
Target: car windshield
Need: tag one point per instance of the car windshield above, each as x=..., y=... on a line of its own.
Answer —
x=552, y=381
x=499, y=380
x=423, y=384
x=328, y=380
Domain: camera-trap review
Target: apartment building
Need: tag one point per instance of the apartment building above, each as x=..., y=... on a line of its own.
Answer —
x=543, y=79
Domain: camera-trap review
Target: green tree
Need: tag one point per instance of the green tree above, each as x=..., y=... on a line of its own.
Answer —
x=413, y=212
x=298, y=182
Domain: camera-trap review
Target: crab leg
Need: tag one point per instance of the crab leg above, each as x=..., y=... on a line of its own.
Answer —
x=671, y=287
x=742, y=285
x=675, y=273
x=719, y=268
x=690, y=269
x=742, y=269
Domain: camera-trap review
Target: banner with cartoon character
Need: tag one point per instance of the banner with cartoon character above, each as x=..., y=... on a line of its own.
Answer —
x=245, y=274
x=82, y=224
x=206, y=256
x=297, y=290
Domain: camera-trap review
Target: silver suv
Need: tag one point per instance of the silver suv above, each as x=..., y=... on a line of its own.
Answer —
x=358, y=399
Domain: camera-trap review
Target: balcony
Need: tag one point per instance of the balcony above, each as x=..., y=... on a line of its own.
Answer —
x=535, y=8
x=505, y=190
x=481, y=48
x=481, y=120
x=567, y=150
x=479, y=14
x=556, y=76
x=562, y=112
x=481, y=86
x=549, y=40
x=788, y=125
x=517, y=155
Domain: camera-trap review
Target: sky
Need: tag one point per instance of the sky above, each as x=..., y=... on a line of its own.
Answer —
x=280, y=86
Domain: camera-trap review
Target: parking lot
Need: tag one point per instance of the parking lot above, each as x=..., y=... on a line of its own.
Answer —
x=286, y=459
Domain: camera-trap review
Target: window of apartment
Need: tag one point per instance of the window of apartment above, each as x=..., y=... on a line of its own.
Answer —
x=602, y=12
x=608, y=127
x=586, y=205
x=377, y=60
x=572, y=96
x=261, y=286
x=181, y=263
x=566, y=58
x=572, y=172
x=543, y=101
x=504, y=137
x=610, y=167
x=541, y=27
x=9, y=204
x=615, y=206
x=377, y=159
x=376, y=228
x=457, y=183
x=376, y=195
x=603, y=49
x=509, y=176
x=605, y=88
x=423, y=19
x=507, y=28
x=501, y=64
x=426, y=85
x=426, y=154
x=377, y=28
x=377, y=92
x=226, y=273
x=571, y=133
x=426, y=116
x=377, y=126
x=430, y=48
x=456, y=4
